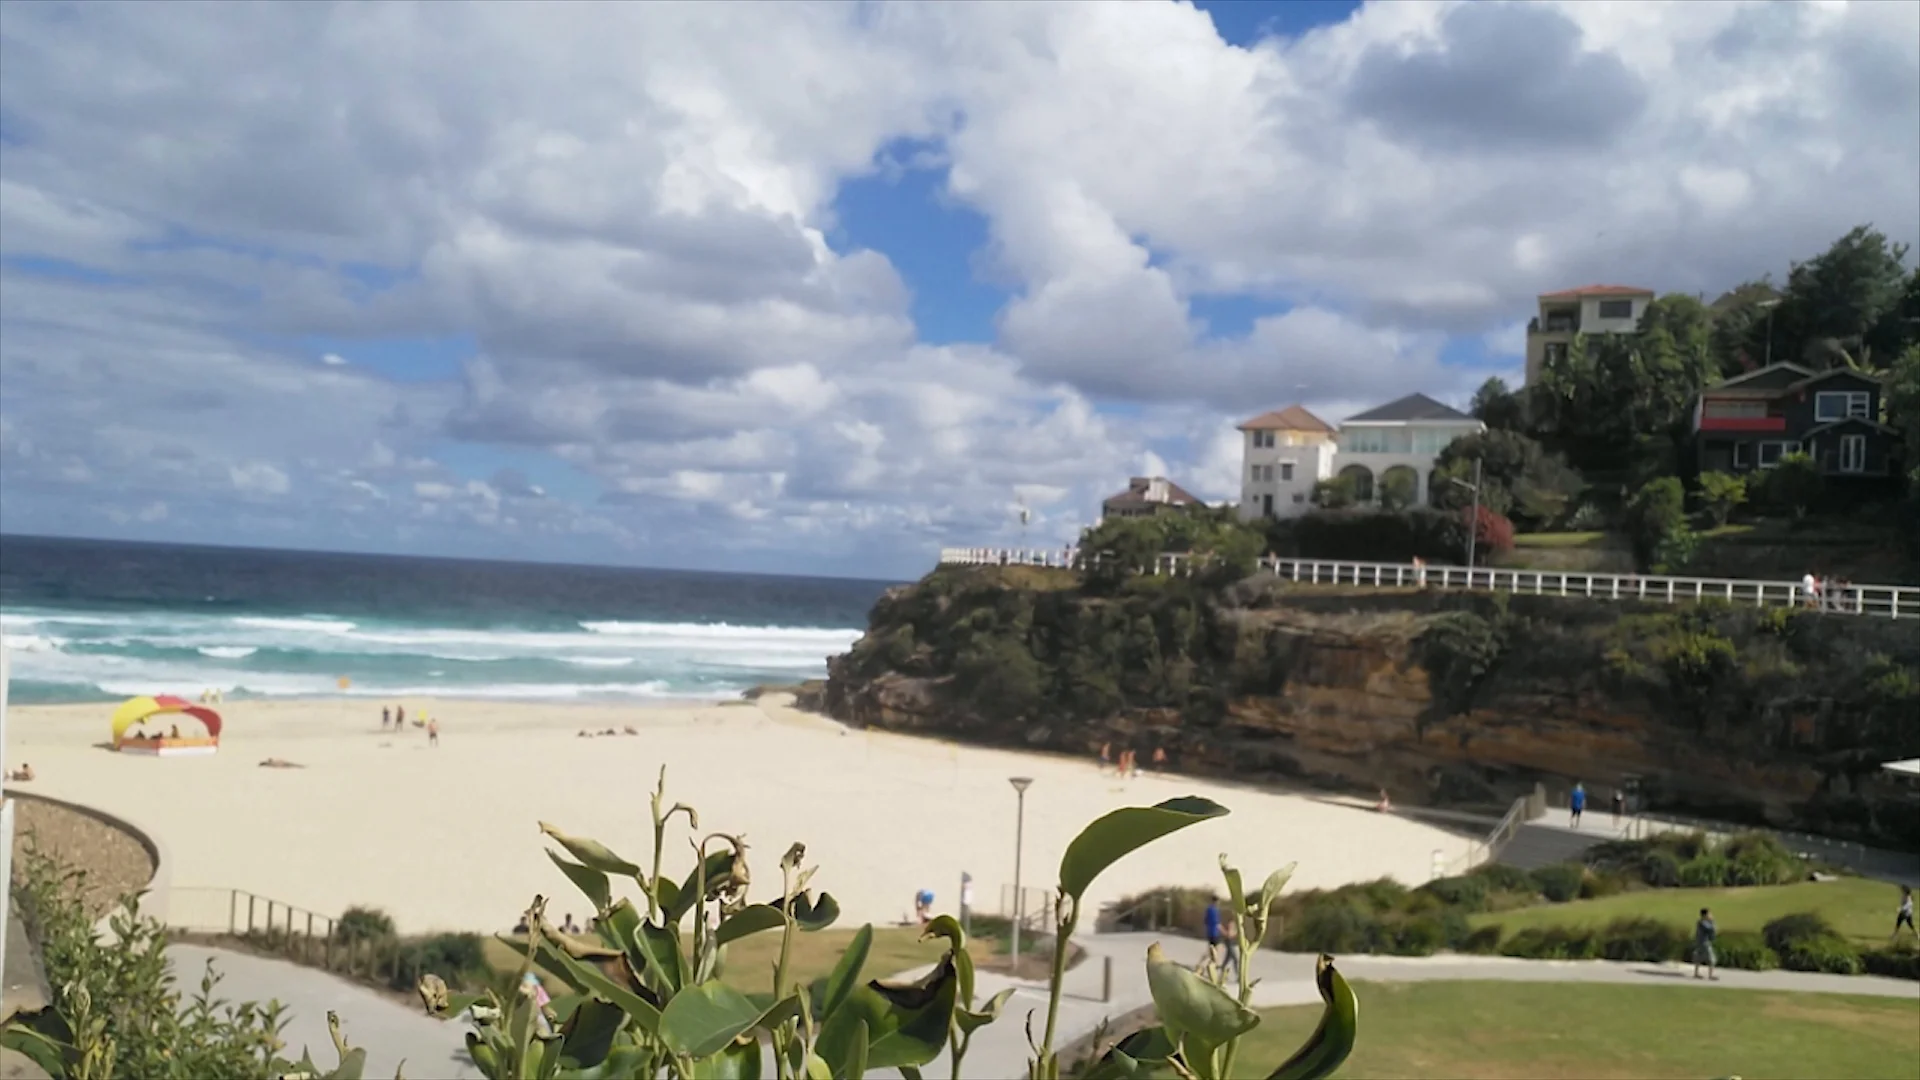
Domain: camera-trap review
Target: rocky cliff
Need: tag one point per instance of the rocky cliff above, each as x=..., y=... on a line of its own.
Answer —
x=1771, y=716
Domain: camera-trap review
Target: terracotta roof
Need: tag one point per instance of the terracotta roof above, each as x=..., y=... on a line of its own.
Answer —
x=1136, y=494
x=1597, y=290
x=1291, y=418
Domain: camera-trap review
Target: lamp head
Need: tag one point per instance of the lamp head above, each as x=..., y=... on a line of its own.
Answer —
x=1020, y=782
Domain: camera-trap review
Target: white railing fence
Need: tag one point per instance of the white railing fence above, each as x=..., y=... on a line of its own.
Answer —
x=1884, y=601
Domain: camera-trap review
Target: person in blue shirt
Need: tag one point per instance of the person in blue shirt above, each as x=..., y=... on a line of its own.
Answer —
x=1213, y=931
x=923, y=906
x=1576, y=803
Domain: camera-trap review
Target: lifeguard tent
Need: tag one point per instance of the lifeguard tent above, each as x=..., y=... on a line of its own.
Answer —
x=153, y=734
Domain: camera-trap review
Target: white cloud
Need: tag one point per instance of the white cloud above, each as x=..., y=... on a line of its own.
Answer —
x=629, y=213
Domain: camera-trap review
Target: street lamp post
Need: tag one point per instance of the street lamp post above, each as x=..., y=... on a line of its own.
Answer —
x=1019, y=841
x=1473, y=524
x=1769, y=305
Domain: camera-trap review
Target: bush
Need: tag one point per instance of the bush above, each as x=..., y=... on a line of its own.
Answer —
x=363, y=924
x=1467, y=892
x=1503, y=878
x=1760, y=859
x=1329, y=927
x=1705, y=872
x=1642, y=939
x=458, y=958
x=1661, y=869
x=1602, y=883
x=1831, y=954
x=1559, y=882
x=1485, y=940
x=1901, y=961
x=1745, y=950
x=1787, y=931
x=1421, y=935
x=1553, y=943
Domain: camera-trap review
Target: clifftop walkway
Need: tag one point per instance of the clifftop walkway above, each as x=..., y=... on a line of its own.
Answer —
x=1884, y=601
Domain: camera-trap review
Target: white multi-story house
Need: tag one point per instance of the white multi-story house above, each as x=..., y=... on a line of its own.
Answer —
x=1283, y=454
x=1399, y=439
x=1594, y=309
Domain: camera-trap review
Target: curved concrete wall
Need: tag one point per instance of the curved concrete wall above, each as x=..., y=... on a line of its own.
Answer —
x=153, y=904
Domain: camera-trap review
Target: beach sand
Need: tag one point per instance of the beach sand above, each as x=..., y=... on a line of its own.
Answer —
x=447, y=838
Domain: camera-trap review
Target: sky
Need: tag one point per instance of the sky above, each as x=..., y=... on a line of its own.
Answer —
x=821, y=288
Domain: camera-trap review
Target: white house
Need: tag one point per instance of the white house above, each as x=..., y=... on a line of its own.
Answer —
x=1591, y=309
x=1283, y=454
x=1400, y=438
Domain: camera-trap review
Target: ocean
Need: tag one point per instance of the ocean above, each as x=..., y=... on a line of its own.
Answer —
x=92, y=620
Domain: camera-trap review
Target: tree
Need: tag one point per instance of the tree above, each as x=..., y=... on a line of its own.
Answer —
x=1721, y=493
x=1837, y=305
x=1902, y=392
x=1739, y=318
x=1655, y=514
x=1335, y=493
x=1398, y=488
x=1793, y=484
x=1620, y=401
x=1498, y=407
x=1517, y=477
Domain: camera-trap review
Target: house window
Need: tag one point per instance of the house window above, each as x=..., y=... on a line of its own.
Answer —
x=1853, y=453
x=1841, y=404
x=1266, y=505
x=1743, y=455
x=1772, y=452
x=1299, y=497
x=1286, y=470
x=1616, y=309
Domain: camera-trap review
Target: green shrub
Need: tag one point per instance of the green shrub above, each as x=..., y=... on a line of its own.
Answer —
x=1744, y=950
x=1485, y=940
x=1705, y=872
x=1601, y=883
x=1330, y=927
x=1900, y=961
x=1421, y=935
x=458, y=958
x=1831, y=953
x=1559, y=882
x=1503, y=878
x=363, y=924
x=1467, y=892
x=1786, y=931
x=1760, y=859
x=1553, y=943
x=1642, y=939
x=1660, y=868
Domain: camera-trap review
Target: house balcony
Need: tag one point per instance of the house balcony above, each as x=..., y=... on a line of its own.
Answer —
x=1750, y=424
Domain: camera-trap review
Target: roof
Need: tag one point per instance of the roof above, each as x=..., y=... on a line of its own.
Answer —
x=1749, y=376
x=1596, y=290
x=1413, y=407
x=1843, y=422
x=1291, y=418
x=1136, y=494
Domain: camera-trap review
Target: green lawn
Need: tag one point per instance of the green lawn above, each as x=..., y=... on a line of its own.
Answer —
x=750, y=960
x=1859, y=908
x=1560, y=539
x=1527, y=1030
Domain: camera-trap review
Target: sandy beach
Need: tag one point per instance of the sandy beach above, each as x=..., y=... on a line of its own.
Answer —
x=446, y=837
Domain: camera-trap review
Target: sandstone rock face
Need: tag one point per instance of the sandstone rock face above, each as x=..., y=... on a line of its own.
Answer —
x=1352, y=708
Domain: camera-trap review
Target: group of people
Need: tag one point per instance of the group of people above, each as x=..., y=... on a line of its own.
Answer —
x=1128, y=763
x=1577, y=804
x=395, y=719
x=21, y=774
x=1828, y=594
x=628, y=730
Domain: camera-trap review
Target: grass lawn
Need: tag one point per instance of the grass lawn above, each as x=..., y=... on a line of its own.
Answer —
x=1859, y=908
x=1561, y=539
x=750, y=960
x=1521, y=1031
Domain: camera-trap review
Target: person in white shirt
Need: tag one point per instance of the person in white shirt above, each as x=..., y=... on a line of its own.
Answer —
x=1810, y=588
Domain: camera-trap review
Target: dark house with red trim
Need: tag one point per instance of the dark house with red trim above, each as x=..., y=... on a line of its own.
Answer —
x=1751, y=421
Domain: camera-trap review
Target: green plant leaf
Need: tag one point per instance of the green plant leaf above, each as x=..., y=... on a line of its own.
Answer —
x=1111, y=837
x=591, y=883
x=843, y=1048
x=1270, y=890
x=818, y=1069
x=594, y=981
x=719, y=865
x=1190, y=1005
x=702, y=1019
x=653, y=951
x=591, y=853
x=353, y=1064
x=738, y=1060
x=586, y=1037
x=810, y=914
x=1236, y=892
x=846, y=972
x=971, y=1020
x=912, y=1021
x=1332, y=1039
x=751, y=919
x=32, y=1040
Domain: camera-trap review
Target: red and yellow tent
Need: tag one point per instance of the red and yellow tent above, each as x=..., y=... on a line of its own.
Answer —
x=141, y=709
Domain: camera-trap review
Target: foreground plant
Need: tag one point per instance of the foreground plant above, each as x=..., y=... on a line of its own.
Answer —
x=644, y=997
x=115, y=1009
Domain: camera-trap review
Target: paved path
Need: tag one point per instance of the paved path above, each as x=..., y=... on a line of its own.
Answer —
x=390, y=1032
x=1000, y=1050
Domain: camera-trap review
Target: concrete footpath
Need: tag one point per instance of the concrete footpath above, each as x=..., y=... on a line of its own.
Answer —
x=390, y=1032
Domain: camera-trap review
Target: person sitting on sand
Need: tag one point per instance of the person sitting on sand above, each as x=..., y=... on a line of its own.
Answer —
x=280, y=763
x=22, y=774
x=630, y=730
x=1106, y=756
x=584, y=734
x=1159, y=758
x=173, y=732
x=520, y=928
x=923, y=906
x=609, y=731
x=567, y=925
x=1385, y=805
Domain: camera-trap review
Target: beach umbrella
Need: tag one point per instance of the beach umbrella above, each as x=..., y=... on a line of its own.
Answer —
x=135, y=710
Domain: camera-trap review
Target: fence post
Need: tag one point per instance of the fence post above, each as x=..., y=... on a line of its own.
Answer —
x=1106, y=978
x=306, y=947
x=233, y=911
x=250, y=899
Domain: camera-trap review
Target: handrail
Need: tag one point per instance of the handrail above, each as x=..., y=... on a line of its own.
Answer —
x=1481, y=852
x=307, y=937
x=1889, y=601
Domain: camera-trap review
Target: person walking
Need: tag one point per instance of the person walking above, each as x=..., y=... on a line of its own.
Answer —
x=1213, y=934
x=1230, y=940
x=386, y=717
x=1619, y=806
x=1576, y=803
x=433, y=732
x=1904, y=917
x=1703, y=935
